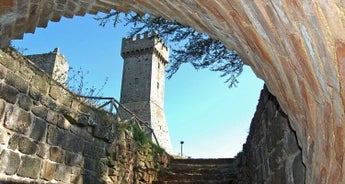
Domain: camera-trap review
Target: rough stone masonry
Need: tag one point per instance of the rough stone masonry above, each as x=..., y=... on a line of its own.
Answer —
x=48, y=135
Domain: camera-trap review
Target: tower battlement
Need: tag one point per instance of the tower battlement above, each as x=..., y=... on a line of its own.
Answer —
x=147, y=42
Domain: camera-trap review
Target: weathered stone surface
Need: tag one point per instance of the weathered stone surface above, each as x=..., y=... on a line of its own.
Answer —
x=48, y=102
x=3, y=72
x=24, y=102
x=2, y=110
x=48, y=170
x=27, y=146
x=298, y=170
x=7, y=62
x=8, y=93
x=38, y=131
x=56, y=154
x=9, y=162
x=14, y=141
x=55, y=92
x=18, y=120
x=271, y=147
x=74, y=159
x=89, y=177
x=43, y=150
x=30, y=167
x=90, y=164
x=64, y=123
x=77, y=179
x=26, y=72
x=55, y=118
x=4, y=136
x=35, y=94
x=279, y=176
x=83, y=120
x=55, y=136
x=61, y=172
x=66, y=99
x=39, y=82
x=17, y=82
x=40, y=111
x=93, y=150
x=72, y=142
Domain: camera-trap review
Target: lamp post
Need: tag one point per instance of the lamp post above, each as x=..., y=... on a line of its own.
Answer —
x=181, y=142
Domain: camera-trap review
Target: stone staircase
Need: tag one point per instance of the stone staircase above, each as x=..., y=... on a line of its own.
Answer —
x=198, y=171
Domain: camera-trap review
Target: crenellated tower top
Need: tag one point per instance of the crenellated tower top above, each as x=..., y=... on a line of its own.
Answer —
x=147, y=42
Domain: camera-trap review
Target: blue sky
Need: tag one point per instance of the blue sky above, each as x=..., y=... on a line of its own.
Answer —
x=212, y=119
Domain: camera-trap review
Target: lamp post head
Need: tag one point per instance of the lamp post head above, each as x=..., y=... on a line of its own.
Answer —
x=182, y=142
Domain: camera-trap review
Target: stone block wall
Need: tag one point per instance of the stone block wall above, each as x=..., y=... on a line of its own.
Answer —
x=271, y=153
x=47, y=135
x=54, y=63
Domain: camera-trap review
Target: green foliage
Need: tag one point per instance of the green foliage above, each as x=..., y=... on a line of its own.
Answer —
x=157, y=148
x=192, y=47
x=142, y=139
x=139, y=136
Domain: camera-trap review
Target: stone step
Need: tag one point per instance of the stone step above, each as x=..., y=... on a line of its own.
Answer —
x=209, y=169
x=167, y=176
x=203, y=171
x=194, y=182
x=217, y=161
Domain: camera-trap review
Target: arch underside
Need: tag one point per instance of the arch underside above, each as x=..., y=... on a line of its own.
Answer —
x=296, y=47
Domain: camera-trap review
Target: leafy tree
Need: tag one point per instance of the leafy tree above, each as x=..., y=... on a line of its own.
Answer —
x=190, y=46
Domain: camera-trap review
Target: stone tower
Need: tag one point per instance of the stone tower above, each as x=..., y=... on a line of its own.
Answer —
x=53, y=63
x=143, y=80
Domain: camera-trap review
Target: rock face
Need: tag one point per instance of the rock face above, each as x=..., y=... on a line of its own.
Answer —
x=296, y=47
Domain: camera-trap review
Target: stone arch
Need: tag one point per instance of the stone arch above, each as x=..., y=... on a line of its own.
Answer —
x=296, y=47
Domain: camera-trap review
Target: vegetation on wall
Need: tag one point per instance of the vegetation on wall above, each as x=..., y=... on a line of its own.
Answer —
x=142, y=139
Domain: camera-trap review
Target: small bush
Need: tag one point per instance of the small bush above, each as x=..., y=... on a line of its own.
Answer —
x=157, y=148
x=139, y=136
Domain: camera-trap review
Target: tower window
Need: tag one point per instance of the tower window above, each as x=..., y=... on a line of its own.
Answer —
x=136, y=81
x=157, y=85
x=159, y=65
